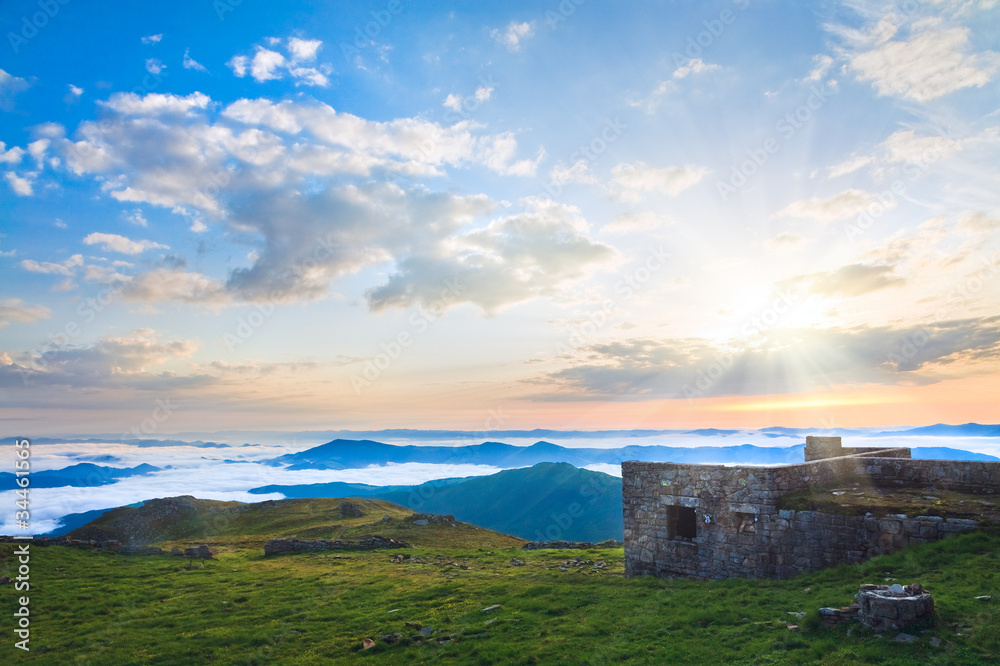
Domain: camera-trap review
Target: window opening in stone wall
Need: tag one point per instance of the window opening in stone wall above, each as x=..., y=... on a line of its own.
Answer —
x=681, y=522
x=746, y=522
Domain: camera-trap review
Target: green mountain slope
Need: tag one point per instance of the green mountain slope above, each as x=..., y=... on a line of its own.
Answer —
x=185, y=520
x=546, y=502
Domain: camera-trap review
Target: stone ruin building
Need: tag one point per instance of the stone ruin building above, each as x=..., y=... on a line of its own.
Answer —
x=716, y=521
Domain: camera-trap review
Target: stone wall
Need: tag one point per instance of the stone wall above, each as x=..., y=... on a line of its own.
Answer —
x=712, y=521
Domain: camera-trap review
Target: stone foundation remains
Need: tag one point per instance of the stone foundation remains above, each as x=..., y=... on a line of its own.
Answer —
x=884, y=607
x=713, y=521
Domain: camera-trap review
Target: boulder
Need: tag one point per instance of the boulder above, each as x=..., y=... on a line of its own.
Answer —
x=349, y=510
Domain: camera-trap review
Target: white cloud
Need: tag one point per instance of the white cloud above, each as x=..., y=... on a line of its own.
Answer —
x=846, y=204
x=15, y=310
x=238, y=64
x=122, y=361
x=909, y=147
x=162, y=284
x=265, y=65
x=513, y=259
x=74, y=90
x=152, y=39
x=116, y=243
x=191, y=63
x=303, y=50
x=155, y=103
x=784, y=243
x=634, y=179
x=823, y=64
x=296, y=187
x=12, y=156
x=694, y=66
x=514, y=34
x=483, y=93
x=632, y=221
x=453, y=102
x=931, y=63
x=66, y=268
x=136, y=217
x=37, y=151
x=850, y=165
x=22, y=186
x=309, y=76
x=154, y=66
x=10, y=86
x=270, y=65
x=578, y=173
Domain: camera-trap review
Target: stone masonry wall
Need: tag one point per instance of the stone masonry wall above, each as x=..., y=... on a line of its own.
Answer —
x=738, y=530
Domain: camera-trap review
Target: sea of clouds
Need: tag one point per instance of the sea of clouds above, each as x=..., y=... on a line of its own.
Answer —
x=204, y=472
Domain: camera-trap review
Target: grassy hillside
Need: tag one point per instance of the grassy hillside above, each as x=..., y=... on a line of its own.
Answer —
x=186, y=520
x=546, y=502
x=242, y=608
x=542, y=503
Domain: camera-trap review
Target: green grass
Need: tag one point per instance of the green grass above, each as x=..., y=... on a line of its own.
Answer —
x=316, y=608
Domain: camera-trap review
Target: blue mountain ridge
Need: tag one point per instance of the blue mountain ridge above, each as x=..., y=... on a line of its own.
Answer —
x=81, y=475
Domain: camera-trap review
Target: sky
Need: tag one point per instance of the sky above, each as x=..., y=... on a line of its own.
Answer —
x=576, y=214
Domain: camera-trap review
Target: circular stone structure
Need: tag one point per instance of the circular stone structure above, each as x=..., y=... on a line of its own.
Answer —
x=884, y=607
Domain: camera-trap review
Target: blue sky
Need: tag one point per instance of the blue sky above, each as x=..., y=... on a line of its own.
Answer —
x=577, y=215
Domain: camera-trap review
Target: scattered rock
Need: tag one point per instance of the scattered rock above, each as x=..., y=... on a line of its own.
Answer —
x=985, y=597
x=367, y=644
x=202, y=552
x=391, y=638
x=294, y=545
x=349, y=510
x=935, y=641
x=514, y=562
x=4, y=580
x=490, y=609
x=426, y=631
x=581, y=545
x=793, y=627
x=905, y=638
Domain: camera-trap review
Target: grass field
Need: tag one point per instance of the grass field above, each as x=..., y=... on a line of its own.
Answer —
x=317, y=608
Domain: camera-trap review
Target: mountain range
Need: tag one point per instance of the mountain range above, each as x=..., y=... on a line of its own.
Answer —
x=545, y=502
x=353, y=454
x=79, y=476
